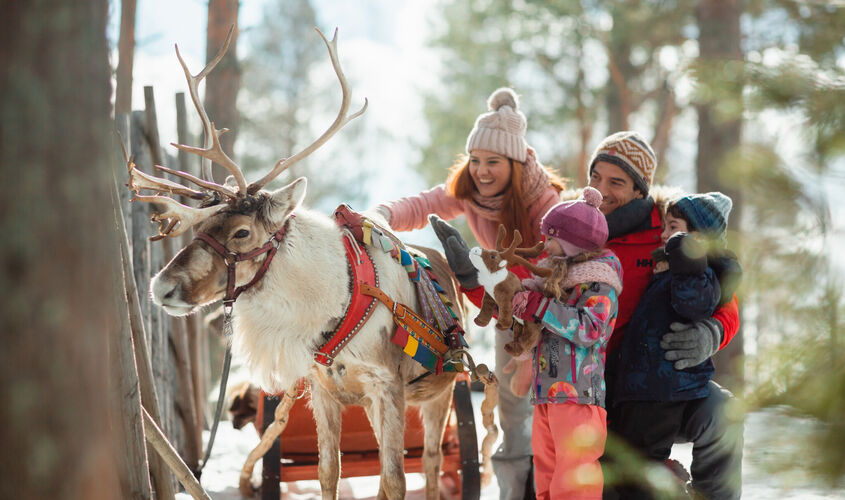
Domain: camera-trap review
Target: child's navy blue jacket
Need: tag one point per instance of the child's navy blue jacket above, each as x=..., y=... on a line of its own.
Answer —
x=643, y=373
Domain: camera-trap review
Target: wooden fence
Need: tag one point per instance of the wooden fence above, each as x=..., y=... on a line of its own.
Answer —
x=167, y=361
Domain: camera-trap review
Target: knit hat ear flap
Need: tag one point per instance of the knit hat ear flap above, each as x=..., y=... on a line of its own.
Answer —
x=502, y=129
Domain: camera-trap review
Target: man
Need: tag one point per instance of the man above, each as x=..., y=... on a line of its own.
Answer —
x=622, y=169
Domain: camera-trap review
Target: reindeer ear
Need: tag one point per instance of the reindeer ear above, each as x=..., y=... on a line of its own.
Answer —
x=286, y=199
x=503, y=263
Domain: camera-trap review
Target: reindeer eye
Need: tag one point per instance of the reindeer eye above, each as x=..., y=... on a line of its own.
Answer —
x=241, y=233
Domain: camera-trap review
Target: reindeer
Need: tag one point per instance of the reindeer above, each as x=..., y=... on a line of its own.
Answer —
x=500, y=285
x=296, y=278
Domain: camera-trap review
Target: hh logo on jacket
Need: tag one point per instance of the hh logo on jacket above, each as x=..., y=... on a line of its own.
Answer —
x=645, y=262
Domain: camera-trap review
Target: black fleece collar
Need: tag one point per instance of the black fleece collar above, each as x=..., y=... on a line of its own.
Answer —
x=631, y=217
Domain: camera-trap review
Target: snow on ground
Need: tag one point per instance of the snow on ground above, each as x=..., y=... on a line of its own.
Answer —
x=774, y=464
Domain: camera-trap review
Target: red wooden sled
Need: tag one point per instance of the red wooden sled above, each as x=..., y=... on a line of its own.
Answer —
x=296, y=456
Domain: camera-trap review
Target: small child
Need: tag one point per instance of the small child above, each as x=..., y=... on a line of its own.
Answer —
x=656, y=400
x=577, y=307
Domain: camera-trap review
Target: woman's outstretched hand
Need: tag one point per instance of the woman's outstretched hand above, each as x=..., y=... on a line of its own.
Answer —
x=456, y=250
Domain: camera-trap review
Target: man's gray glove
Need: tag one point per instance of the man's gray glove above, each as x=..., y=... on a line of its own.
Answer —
x=690, y=344
x=456, y=250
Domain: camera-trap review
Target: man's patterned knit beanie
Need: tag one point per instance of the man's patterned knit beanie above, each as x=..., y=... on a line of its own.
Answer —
x=630, y=152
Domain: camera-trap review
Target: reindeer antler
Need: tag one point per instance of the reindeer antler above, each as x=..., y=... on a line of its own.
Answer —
x=212, y=150
x=513, y=255
x=341, y=120
x=177, y=218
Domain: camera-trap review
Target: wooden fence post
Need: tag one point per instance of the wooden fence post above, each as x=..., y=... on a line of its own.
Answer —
x=147, y=323
x=126, y=387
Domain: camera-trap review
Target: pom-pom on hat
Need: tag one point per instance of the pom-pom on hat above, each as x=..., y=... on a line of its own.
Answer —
x=577, y=222
x=706, y=213
x=502, y=129
x=630, y=152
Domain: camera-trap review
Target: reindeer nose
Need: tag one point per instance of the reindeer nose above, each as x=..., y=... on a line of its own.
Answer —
x=165, y=291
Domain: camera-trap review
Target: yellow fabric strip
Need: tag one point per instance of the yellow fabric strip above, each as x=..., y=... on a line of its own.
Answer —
x=411, y=346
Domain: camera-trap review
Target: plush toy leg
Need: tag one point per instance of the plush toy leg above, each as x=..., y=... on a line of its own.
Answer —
x=525, y=337
x=487, y=306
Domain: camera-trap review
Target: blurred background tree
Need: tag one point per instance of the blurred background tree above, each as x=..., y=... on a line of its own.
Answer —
x=59, y=261
x=290, y=96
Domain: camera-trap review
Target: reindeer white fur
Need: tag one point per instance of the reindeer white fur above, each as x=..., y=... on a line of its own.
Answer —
x=278, y=325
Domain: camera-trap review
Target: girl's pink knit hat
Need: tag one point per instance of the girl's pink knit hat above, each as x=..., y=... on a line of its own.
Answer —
x=577, y=222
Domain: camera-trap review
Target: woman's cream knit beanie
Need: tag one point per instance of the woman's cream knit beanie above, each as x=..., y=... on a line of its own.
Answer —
x=502, y=129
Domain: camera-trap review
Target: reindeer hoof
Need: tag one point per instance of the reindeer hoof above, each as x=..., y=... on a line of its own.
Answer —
x=481, y=322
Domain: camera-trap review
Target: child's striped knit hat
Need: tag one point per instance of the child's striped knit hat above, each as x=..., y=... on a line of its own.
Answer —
x=706, y=213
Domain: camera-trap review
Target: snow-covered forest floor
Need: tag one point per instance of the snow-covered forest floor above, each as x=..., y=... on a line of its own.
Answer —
x=775, y=465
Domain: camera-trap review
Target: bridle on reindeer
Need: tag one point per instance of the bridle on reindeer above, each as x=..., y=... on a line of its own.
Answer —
x=176, y=219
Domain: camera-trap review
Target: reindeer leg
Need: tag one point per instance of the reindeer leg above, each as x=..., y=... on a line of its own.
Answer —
x=327, y=415
x=435, y=414
x=270, y=434
x=487, y=305
x=387, y=416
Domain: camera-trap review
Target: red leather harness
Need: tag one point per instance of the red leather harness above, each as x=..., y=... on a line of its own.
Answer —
x=360, y=306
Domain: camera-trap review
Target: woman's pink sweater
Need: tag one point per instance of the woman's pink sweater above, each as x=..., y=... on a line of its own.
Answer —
x=412, y=213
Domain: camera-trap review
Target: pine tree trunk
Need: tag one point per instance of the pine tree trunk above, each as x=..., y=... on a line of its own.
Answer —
x=720, y=125
x=222, y=84
x=58, y=254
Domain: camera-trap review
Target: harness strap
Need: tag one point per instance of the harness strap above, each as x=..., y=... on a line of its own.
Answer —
x=409, y=320
x=360, y=307
x=232, y=258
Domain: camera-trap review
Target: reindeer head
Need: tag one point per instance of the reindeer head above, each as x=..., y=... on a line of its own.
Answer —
x=234, y=219
x=198, y=275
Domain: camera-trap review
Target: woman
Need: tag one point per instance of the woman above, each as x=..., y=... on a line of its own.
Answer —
x=500, y=181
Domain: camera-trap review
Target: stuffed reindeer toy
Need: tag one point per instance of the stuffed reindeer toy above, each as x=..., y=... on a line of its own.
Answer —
x=500, y=285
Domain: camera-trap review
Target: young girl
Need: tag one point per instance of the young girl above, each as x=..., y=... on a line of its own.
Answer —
x=499, y=181
x=577, y=307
